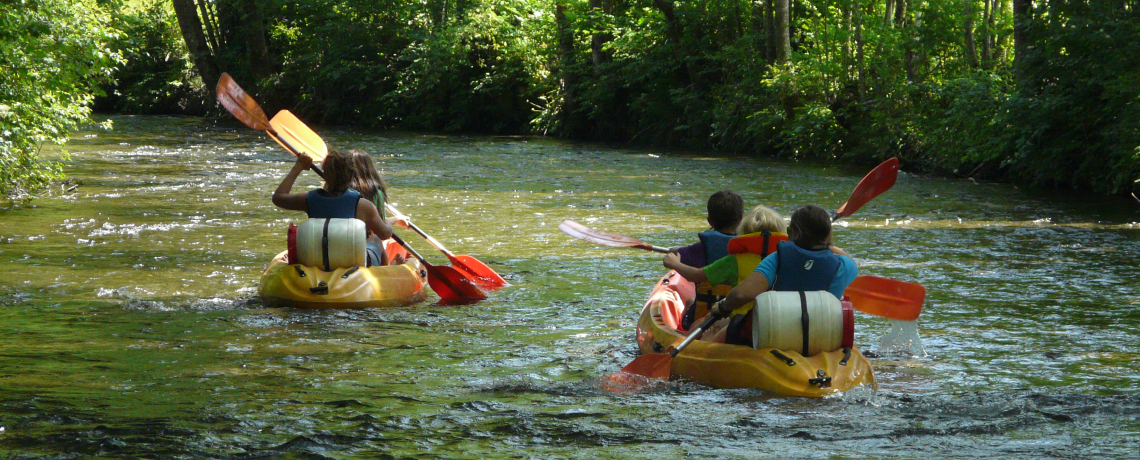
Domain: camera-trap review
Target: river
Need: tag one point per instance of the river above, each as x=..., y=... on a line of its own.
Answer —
x=130, y=325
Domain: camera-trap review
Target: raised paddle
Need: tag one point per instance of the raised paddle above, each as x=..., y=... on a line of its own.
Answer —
x=291, y=131
x=244, y=108
x=879, y=180
x=886, y=297
x=446, y=281
x=656, y=365
x=480, y=272
x=585, y=233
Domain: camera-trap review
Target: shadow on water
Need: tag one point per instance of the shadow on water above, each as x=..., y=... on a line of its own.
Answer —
x=132, y=328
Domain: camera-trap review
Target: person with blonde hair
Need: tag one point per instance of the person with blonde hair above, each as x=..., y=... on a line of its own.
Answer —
x=760, y=231
x=809, y=261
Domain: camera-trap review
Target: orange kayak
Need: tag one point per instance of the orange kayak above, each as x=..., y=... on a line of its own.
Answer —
x=784, y=372
x=295, y=285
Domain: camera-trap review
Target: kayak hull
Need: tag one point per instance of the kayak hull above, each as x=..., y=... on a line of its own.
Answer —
x=299, y=286
x=783, y=372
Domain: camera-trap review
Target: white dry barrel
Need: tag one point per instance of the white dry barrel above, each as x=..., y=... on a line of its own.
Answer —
x=804, y=322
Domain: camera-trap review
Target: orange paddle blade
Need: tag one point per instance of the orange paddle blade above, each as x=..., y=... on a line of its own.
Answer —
x=886, y=297
x=585, y=233
x=291, y=130
x=874, y=183
x=240, y=104
x=652, y=365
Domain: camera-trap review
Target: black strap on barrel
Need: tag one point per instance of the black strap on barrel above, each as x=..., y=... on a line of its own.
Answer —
x=846, y=356
x=325, y=246
x=804, y=320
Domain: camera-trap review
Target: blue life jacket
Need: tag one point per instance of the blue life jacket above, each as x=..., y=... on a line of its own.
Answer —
x=799, y=269
x=716, y=244
x=322, y=206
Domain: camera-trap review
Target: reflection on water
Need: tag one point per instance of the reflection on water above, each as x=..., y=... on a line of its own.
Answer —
x=131, y=327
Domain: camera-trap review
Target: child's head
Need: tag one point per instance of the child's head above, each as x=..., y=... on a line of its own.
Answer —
x=365, y=178
x=337, y=167
x=761, y=219
x=810, y=228
x=725, y=209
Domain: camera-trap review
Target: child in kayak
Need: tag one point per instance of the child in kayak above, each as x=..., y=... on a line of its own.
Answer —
x=808, y=262
x=725, y=209
x=334, y=200
x=367, y=181
x=759, y=232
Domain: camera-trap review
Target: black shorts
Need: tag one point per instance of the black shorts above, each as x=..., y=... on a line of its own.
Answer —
x=374, y=254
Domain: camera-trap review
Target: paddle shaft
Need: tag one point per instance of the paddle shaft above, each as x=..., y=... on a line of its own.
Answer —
x=416, y=228
x=288, y=146
x=693, y=335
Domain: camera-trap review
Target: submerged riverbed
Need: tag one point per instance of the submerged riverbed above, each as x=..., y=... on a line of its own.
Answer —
x=130, y=326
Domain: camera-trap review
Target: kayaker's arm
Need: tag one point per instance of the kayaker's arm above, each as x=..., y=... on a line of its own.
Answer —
x=835, y=250
x=366, y=211
x=292, y=201
x=673, y=261
x=752, y=286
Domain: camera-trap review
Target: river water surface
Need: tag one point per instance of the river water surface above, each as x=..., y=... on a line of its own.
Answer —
x=130, y=325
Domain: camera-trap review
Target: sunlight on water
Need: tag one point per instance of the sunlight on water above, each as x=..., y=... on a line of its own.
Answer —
x=132, y=327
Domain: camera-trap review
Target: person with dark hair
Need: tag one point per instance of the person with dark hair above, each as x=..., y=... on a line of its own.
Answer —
x=334, y=200
x=807, y=262
x=725, y=209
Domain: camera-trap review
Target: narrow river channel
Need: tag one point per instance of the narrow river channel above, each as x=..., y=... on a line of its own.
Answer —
x=130, y=325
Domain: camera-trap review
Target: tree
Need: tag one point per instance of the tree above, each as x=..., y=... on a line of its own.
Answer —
x=55, y=55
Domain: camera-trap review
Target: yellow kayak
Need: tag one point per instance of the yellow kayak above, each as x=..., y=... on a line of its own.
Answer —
x=286, y=285
x=785, y=372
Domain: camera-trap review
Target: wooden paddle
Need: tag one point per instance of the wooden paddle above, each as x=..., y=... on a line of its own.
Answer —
x=655, y=365
x=585, y=233
x=245, y=109
x=886, y=297
x=480, y=272
x=446, y=281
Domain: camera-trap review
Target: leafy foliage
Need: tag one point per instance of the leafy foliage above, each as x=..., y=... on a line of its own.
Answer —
x=156, y=76
x=54, y=54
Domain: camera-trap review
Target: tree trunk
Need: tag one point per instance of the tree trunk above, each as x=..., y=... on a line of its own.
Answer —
x=568, y=113
x=770, y=31
x=783, y=33
x=187, y=13
x=987, y=32
x=889, y=13
x=968, y=30
x=598, y=40
x=1022, y=16
x=255, y=43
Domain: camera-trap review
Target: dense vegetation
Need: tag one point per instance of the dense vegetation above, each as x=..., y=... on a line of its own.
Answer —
x=1038, y=92
x=53, y=56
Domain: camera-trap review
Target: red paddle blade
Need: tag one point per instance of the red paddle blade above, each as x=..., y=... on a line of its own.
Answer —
x=240, y=104
x=585, y=233
x=450, y=284
x=652, y=365
x=478, y=271
x=886, y=297
x=879, y=180
x=300, y=136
